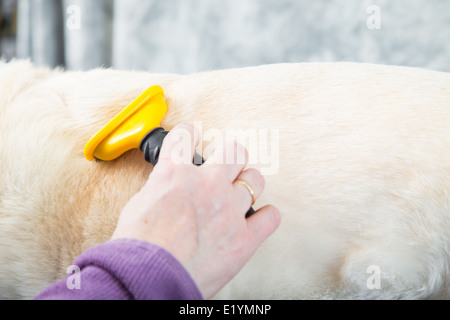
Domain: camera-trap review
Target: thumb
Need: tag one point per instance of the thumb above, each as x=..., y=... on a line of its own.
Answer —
x=262, y=224
x=180, y=144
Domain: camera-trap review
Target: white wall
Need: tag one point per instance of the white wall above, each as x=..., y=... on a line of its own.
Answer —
x=185, y=36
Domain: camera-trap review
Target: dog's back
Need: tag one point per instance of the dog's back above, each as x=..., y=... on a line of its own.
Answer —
x=356, y=157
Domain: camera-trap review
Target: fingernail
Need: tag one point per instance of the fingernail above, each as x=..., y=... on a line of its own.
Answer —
x=276, y=216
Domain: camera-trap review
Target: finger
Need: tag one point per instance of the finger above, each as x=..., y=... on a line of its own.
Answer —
x=179, y=145
x=249, y=186
x=262, y=224
x=231, y=159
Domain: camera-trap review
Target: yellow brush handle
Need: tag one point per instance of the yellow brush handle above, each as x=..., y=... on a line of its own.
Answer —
x=126, y=131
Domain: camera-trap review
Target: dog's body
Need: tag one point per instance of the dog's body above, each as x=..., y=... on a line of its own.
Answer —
x=363, y=182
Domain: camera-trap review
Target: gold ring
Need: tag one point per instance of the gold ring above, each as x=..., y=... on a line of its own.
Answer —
x=250, y=189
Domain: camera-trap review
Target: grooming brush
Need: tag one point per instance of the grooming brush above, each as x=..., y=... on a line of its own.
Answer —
x=138, y=126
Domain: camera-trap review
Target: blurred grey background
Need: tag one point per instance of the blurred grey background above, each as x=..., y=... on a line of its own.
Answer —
x=185, y=36
x=7, y=28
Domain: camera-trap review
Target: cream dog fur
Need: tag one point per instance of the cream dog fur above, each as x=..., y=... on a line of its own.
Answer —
x=363, y=182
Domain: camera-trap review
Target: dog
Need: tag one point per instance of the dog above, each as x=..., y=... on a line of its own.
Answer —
x=361, y=173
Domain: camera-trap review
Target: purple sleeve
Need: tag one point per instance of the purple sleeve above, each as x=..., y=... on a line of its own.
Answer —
x=126, y=269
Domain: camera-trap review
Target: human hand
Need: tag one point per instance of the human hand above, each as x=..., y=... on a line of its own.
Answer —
x=198, y=213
